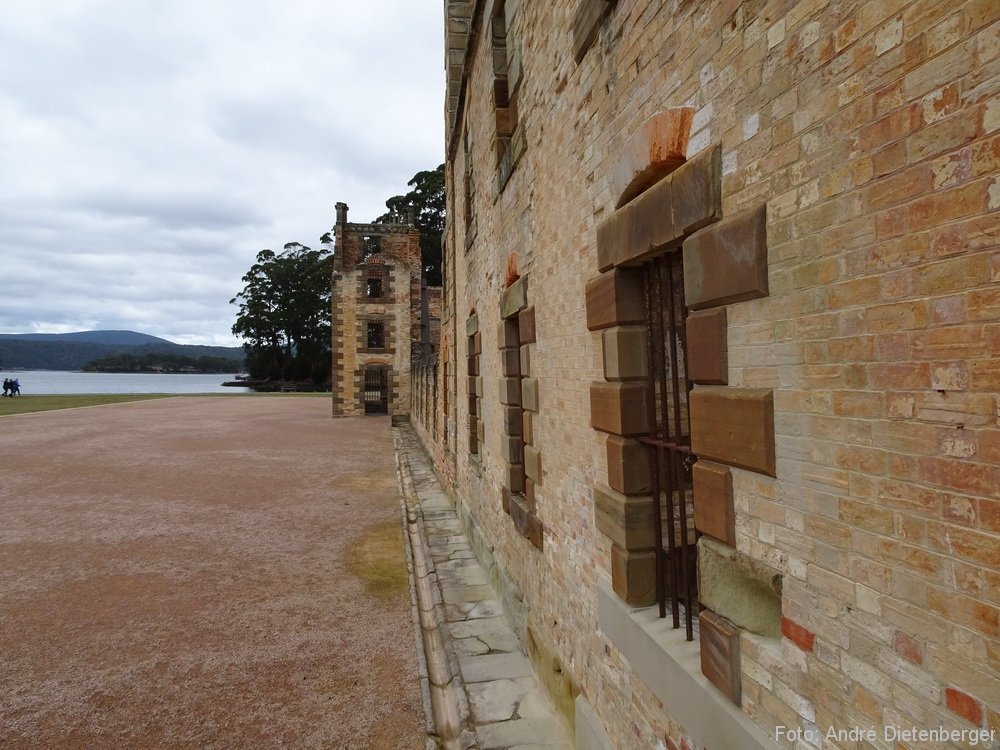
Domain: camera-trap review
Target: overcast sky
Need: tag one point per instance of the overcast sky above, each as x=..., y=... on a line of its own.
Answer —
x=150, y=148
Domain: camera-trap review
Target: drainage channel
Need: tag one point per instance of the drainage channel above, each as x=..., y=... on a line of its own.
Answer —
x=443, y=684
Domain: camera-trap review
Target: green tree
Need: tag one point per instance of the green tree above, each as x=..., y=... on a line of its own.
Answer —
x=284, y=316
x=427, y=201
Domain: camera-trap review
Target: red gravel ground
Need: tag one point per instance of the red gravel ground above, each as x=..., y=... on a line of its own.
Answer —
x=174, y=574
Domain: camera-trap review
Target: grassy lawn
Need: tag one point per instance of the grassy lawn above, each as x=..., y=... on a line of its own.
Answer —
x=28, y=404
x=31, y=403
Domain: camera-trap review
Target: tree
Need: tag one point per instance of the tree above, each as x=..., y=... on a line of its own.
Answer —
x=427, y=200
x=284, y=315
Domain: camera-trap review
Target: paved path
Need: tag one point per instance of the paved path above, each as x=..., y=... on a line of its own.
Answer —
x=178, y=574
x=503, y=703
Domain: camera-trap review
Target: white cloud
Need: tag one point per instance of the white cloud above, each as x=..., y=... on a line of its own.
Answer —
x=150, y=149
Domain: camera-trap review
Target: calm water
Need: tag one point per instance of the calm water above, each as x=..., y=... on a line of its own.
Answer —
x=56, y=381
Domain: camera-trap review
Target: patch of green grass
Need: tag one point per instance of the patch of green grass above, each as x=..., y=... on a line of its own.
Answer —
x=379, y=560
x=32, y=403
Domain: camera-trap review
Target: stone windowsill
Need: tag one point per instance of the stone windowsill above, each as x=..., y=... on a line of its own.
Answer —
x=670, y=667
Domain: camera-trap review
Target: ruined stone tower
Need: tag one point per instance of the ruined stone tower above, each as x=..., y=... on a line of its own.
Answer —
x=376, y=316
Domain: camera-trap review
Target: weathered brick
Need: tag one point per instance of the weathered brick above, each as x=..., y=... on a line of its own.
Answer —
x=797, y=634
x=964, y=705
x=654, y=149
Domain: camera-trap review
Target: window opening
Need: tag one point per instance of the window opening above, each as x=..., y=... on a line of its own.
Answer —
x=370, y=244
x=669, y=440
x=375, y=283
x=376, y=334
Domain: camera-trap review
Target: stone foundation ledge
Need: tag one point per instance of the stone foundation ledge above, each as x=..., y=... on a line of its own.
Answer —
x=670, y=667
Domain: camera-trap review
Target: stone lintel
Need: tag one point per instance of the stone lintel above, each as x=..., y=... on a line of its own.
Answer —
x=514, y=298
x=696, y=198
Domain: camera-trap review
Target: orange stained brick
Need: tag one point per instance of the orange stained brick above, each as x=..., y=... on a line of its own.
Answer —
x=946, y=205
x=899, y=187
x=896, y=375
x=909, y=648
x=797, y=634
x=964, y=705
x=952, y=275
x=865, y=516
x=963, y=610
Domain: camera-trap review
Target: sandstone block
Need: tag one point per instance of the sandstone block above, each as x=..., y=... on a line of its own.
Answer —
x=616, y=298
x=514, y=298
x=714, y=512
x=510, y=391
x=628, y=466
x=629, y=521
x=533, y=463
x=720, y=654
x=697, y=191
x=526, y=325
x=727, y=261
x=529, y=394
x=625, y=353
x=734, y=426
x=633, y=576
x=707, y=347
x=619, y=408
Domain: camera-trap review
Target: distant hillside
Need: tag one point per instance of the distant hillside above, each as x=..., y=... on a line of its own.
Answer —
x=71, y=351
x=112, y=338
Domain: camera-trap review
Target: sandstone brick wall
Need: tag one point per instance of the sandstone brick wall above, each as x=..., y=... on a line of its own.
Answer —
x=398, y=253
x=867, y=133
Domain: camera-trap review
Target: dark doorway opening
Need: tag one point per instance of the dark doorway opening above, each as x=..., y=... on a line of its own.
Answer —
x=376, y=389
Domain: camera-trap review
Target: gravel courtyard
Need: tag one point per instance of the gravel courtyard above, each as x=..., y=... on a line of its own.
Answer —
x=203, y=572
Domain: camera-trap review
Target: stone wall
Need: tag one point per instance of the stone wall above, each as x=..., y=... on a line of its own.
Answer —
x=390, y=252
x=826, y=174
